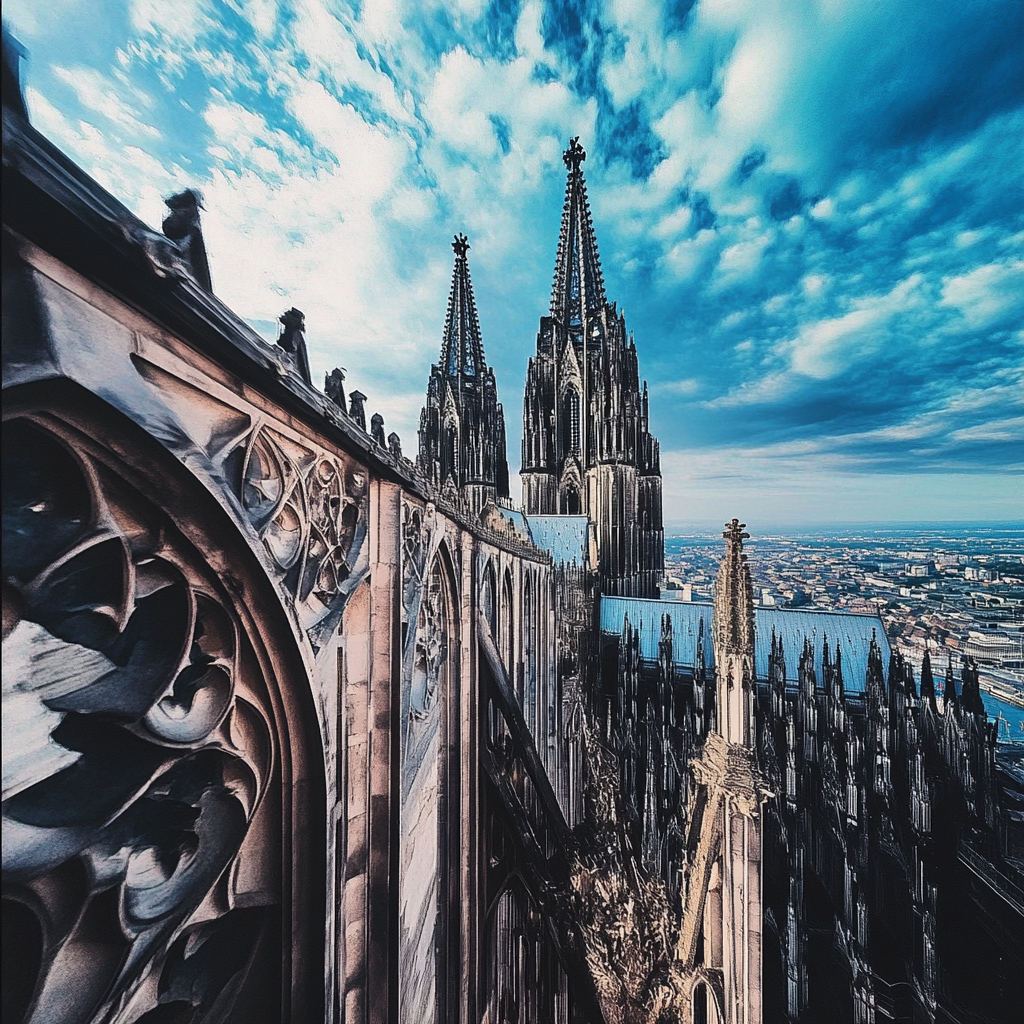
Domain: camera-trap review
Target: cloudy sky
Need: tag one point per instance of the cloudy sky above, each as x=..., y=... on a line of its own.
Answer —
x=812, y=211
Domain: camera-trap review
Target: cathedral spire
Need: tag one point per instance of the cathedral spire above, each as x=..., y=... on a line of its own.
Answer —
x=462, y=424
x=578, y=288
x=462, y=350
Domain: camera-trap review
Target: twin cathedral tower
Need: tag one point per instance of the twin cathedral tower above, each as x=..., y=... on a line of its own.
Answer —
x=587, y=446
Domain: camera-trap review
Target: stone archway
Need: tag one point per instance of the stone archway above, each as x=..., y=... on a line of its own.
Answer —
x=159, y=751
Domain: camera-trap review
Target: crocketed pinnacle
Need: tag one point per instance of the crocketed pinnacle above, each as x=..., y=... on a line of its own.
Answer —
x=462, y=350
x=734, y=596
x=578, y=288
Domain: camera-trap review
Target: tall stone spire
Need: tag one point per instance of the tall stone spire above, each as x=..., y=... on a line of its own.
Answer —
x=462, y=425
x=724, y=897
x=578, y=288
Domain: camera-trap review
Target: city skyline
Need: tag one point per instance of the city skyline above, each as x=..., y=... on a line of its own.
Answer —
x=811, y=214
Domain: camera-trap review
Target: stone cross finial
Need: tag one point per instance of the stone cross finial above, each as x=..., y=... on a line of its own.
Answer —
x=461, y=246
x=734, y=531
x=574, y=155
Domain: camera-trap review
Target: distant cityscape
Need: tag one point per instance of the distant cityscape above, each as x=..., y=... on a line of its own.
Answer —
x=954, y=591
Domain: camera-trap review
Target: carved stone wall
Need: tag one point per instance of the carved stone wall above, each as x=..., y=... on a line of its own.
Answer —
x=253, y=767
x=147, y=753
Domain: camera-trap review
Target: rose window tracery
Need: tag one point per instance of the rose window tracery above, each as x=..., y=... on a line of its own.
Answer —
x=137, y=752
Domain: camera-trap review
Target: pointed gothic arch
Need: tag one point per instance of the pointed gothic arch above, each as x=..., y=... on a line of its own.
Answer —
x=431, y=780
x=506, y=629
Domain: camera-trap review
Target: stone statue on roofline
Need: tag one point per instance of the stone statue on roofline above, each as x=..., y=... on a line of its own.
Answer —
x=181, y=225
x=334, y=387
x=293, y=341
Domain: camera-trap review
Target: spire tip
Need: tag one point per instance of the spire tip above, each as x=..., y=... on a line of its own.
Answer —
x=574, y=155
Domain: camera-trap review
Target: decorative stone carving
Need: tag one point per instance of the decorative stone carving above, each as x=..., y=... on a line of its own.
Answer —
x=136, y=754
x=293, y=341
x=182, y=225
x=308, y=510
x=355, y=408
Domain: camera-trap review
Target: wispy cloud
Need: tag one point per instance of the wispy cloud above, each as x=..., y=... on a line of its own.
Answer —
x=812, y=213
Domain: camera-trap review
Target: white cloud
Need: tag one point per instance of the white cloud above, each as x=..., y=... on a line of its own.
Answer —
x=96, y=92
x=986, y=294
x=826, y=347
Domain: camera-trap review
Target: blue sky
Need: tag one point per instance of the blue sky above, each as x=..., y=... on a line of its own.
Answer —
x=812, y=211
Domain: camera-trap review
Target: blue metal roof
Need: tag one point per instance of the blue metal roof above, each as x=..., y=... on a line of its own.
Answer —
x=791, y=625
x=564, y=536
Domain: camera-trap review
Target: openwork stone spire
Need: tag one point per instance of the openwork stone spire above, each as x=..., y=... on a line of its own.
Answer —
x=462, y=425
x=578, y=287
x=461, y=348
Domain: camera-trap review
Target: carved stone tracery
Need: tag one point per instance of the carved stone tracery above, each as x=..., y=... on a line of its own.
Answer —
x=138, y=751
x=307, y=507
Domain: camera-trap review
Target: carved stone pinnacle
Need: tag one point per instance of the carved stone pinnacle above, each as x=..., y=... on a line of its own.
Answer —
x=461, y=246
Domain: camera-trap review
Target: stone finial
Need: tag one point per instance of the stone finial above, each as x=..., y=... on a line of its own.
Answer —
x=395, y=446
x=334, y=387
x=355, y=408
x=377, y=429
x=574, y=155
x=182, y=225
x=734, y=531
x=293, y=340
x=461, y=246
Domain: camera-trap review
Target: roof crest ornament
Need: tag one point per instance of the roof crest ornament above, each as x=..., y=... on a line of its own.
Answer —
x=461, y=245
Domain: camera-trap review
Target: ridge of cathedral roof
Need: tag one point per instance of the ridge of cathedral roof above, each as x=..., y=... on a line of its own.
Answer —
x=578, y=287
x=793, y=626
x=462, y=349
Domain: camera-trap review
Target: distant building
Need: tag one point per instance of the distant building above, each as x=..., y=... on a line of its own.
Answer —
x=992, y=647
x=978, y=573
